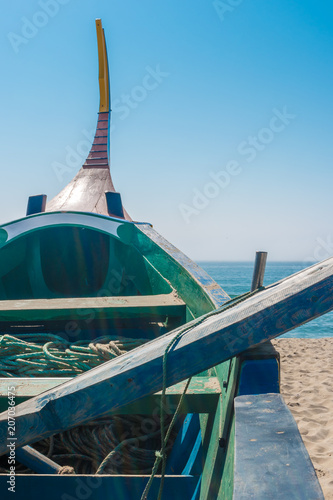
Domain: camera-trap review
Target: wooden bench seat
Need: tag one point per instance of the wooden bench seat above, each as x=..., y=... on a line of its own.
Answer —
x=271, y=460
x=150, y=307
x=201, y=396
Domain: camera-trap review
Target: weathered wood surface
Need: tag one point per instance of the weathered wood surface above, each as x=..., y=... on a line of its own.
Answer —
x=28, y=387
x=201, y=396
x=114, y=487
x=101, y=138
x=271, y=461
x=99, y=392
x=36, y=461
x=85, y=192
x=152, y=306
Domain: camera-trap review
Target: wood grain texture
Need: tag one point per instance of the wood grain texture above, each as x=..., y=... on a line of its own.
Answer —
x=96, y=147
x=99, y=392
x=138, y=306
x=36, y=461
x=84, y=193
x=201, y=396
x=98, y=154
x=271, y=461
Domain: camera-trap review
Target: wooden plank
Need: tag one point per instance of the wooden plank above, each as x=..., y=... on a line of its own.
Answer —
x=36, y=461
x=271, y=461
x=201, y=396
x=104, y=389
x=81, y=487
x=156, y=307
x=97, y=155
x=217, y=439
x=97, y=147
x=101, y=132
x=91, y=163
x=100, y=140
x=103, y=124
x=28, y=387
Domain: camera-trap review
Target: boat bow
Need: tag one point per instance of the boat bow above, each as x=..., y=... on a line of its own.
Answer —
x=87, y=191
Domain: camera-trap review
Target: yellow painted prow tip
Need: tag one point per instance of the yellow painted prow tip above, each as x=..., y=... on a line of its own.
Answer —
x=103, y=77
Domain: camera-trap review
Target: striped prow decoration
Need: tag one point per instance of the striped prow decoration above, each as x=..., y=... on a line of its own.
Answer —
x=99, y=153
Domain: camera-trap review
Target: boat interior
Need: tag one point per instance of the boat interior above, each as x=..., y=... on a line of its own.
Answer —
x=57, y=263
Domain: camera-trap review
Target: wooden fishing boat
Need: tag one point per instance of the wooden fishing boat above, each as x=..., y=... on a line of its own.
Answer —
x=79, y=276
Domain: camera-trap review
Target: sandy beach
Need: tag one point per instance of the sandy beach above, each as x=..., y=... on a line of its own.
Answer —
x=307, y=387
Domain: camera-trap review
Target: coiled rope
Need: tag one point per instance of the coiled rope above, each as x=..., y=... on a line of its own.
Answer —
x=94, y=447
x=43, y=355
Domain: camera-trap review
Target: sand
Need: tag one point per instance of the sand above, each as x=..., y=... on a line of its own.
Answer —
x=307, y=387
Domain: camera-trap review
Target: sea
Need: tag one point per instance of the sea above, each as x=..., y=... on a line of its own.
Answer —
x=236, y=277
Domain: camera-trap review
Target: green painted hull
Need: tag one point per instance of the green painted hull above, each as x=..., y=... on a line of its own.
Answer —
x=50, y=261
x=79, y=275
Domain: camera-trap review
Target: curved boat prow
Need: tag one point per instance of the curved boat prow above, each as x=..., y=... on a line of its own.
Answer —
x=104, y=86
x=99, y=153
x=92, y=189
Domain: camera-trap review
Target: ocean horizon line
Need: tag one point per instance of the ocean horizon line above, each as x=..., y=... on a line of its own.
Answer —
x=225, y=261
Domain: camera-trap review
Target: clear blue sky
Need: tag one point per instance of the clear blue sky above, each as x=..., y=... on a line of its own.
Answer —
x=243, y=98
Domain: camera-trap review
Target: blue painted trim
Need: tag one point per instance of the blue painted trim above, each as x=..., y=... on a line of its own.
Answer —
x=184, y=453
x=258, y=376
x=194, y=464
x=196, y=494
x=114, y=204
x=36, y=461
x=271, y=461
x=75, y=487
x=36, y=204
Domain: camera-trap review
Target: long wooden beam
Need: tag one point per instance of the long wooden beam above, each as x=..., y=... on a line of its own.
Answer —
x=156, y=307
x=201, y=396
x=103, y=76
x=104, y=389
x=36, y=461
